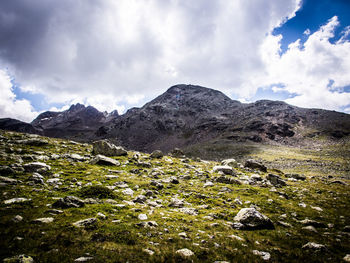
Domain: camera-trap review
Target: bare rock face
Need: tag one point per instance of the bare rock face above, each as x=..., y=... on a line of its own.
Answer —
x=106, y=148
x=250, y=218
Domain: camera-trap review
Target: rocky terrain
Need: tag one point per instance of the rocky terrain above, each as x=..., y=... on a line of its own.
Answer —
x=64, y=201
x=188, y=117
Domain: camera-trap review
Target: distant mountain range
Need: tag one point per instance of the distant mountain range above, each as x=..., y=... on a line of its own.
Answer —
x=186, y=115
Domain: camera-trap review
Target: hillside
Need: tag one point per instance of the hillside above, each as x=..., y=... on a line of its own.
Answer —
x=189, y=117
x=61, y=202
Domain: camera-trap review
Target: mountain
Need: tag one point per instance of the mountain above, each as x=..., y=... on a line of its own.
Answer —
x=187, y=115
x=78, y=122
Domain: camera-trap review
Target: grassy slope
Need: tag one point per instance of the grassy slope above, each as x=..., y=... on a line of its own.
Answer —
x=124, y=242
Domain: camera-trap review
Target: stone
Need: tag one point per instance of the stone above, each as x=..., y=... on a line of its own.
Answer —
x=275, y=180
x=347, y=258
x=17, y=200
x=34, y=142
x=208, y=184
x=53, y=181
x=36, y=178
x=314, y=247
x=5, y=180
x=314, y=223
x=262, y=254
x=128, y=191
x=38, y=167
x=6, y=170
x=184, y=253
x=142, y=217
x=148, y=251
x=103, y=160
x=106, y=148
x=17, y=219
x=101, y=215
x=19, y=259
x=148, y=224
x=225, y=169
x=176, y=152
x=230, y=162
x=253, y=164
x=44, y=220
x=183, y=235
x=68, y=202
x=140, y=199
x=250, y=218
x=227, y=180
x=256, y=177
x=83, y=259
x=189, y=211
x=157, y=154
x=86, y=223
x=177, y=203
x=296, y=176
x=309, y=228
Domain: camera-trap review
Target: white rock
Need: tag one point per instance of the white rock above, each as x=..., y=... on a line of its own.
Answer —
x=142, y=217
x=44, y=220
x=184, y=252
x=16, y=200
x=262, y=254
x=128, y=191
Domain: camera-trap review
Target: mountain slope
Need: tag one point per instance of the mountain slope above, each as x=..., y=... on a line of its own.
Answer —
x=187, y=115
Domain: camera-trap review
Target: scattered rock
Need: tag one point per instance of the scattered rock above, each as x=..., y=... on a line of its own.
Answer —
x=17, y=200
x=157, y=154
x=227, y=180
x=83, y=259
x=176, y=152
x=36, y=167
x=189, y=211
x=5, y=180
x=276, y=180
x=225, y=169
x=185, y=253
x=19, y=259
x=314, y=247
x=86, y=223
x=128, y=191
x=347, y=258
x=262, y=254
x=142, y=217
x=101, y=215
x=140, y=199
x=103, y=160
x=250, y=218
x=33, y=142
x=44, y=220
x=314, y=223
x=106, y=148
x=296, y=176
x=148, y=224
x=230, y=162
x=253, y=164
x=338, y=182
x=17, y=219
x=148, y=251
x=6, y=170
x=68, y=202
x=207, y=184
x=177, y=203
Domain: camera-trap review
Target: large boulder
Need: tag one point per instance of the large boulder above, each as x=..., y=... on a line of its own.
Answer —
x=38, y=167
x=108, y=149
x=103, y=160
x=253, y=164
x=250, y=218
x=157, y=154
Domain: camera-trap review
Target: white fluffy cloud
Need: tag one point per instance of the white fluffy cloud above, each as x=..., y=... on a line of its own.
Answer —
x=108, y=52
x=316, y=71
x=10, y=106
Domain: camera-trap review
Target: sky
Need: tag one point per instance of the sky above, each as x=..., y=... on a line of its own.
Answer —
x=120, y=54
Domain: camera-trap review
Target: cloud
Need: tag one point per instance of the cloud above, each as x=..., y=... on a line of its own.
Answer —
x=10, y=106
x=116, y=50
x=316, y=71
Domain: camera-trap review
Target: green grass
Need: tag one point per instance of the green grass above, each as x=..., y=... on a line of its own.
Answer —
x=117, y=238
